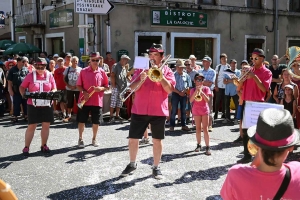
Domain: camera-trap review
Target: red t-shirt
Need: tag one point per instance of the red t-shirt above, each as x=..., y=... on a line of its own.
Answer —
x=110, y=63
x=201, y=108
x=59, y=78
x=88, y=78
x=151, y=99
x=251, y=91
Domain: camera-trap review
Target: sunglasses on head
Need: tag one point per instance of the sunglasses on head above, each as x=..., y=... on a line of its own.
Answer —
x=40, y=68
x=95, y=60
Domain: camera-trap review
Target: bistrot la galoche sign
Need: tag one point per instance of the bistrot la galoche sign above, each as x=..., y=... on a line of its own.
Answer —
x=100, y=7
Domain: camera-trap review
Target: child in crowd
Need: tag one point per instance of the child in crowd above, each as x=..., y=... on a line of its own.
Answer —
x=200, y=110
x=289, y=101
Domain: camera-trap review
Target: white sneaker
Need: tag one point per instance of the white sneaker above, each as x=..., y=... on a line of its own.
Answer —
x=80, y=143
x=95, y=143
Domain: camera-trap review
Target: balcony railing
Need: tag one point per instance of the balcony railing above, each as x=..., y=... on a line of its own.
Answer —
x=29, y=15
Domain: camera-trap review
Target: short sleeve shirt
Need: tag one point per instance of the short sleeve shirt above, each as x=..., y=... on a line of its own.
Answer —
x=182, y=81
x=29, y=84
x=17, y=76
x=59, y=78
x=209, y=75
x=275, y=74
x=72, y=74
x=88, y=78
x=201, y=107
x=230, y=88
x=120, y=76
x=220, y=72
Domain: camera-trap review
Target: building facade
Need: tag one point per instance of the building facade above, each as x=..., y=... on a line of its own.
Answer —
x=5, y=20
x=199, y=27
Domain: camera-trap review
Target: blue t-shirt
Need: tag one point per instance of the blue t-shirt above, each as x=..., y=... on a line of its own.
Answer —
x=230, y=88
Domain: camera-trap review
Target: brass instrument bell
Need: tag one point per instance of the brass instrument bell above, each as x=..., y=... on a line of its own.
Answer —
x=252, y=148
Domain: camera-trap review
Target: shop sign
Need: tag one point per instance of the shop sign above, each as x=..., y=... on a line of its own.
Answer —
x=184, y=18
x=61, y=19
x=122, y=52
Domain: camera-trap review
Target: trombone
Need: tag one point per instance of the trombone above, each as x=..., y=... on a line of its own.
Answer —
x=82, y=101
x=155, y=74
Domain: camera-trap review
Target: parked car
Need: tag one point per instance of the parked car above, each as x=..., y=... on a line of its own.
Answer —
x=172, y=62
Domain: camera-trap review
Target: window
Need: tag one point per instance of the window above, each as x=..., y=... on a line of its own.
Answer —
x=294, y=5
x=207, y=2
x=254, y=3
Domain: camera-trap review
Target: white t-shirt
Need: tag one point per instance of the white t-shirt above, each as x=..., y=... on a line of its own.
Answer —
x=72, y=76
x=221, y=75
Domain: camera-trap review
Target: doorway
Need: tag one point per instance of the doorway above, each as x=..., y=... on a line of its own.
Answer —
x=57, y=45
x=145, y=42
x=252, y=44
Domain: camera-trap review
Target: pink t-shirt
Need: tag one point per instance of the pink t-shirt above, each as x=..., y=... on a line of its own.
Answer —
x=88, y=78
x=251, y=91
x=200, y=108
x=151, y=99
x=245, y=182
x=35, y=87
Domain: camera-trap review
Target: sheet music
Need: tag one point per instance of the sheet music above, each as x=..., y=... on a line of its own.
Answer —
x=141, y=63
x=252, y=111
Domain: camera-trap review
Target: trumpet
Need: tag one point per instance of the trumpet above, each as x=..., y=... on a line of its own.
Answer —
x=155, y=74
x=198, y=96
x=245, y=71
x=82, y=101
x=252, y=148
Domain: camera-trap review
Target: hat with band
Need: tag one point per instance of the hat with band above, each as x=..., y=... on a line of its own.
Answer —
x=156, y=48
x=274, y=130
x=259, y=52
x=41, y=61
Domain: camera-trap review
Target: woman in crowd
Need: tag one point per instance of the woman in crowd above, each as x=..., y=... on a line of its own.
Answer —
x=279, y=89
x=200, y=110
x=39, y=110
x=274, y=137
x=289, y=101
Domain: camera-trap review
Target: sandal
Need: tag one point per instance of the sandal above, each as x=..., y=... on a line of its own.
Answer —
x=14, y=120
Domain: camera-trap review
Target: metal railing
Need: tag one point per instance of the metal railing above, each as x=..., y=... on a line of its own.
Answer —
x=29, y=14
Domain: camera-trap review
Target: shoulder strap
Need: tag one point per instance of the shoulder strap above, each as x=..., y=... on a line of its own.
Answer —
x=219, y=67
x=284, y=185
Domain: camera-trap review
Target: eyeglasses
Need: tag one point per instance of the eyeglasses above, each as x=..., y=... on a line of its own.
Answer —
x=40, y=68
x=95, y=60
x=11, y=65
x=256, y=58
x=199, y=80
x=187, y=64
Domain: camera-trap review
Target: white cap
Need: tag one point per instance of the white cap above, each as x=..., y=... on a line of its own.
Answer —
x=55, y=55
x=125, y=56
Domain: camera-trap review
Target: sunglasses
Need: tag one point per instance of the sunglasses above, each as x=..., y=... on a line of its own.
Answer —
x=187, y=64
x=95, y=60
x=256, y=58
x=199, y=80
x=11, y=65
x=40, y=68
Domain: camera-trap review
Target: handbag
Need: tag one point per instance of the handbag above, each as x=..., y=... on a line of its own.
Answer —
x=284, y=185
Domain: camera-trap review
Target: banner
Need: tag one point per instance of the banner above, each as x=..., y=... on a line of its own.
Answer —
x=61, y=19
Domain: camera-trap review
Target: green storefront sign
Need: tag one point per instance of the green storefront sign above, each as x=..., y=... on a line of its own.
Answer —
x=185, y=18
x=59, y=19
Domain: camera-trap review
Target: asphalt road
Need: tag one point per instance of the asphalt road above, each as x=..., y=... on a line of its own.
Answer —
x=93, y=172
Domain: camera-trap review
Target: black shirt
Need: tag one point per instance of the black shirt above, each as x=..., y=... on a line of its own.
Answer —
x=275, y=74
x=17, y=76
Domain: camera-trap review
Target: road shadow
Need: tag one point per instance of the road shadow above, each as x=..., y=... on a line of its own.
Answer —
x=82, y=156
x=213, y=173
x=171, y=157
x=214, y=197
x=6, y=161
x=96, y=191
x=225, y=145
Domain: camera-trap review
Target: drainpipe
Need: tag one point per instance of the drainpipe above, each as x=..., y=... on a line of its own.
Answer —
x=12, y=20
x=108, y=45
x=101, y=35
x=276, y=29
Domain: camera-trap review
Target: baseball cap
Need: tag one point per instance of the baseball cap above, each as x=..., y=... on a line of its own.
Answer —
x=207, y=58
x=244, y=61
x=41, y=61
x=180, y=63
x=198, y=74
x=55, y=55
x=259, y=52
x=289, y=86
x=233, y=60
x=125, y=56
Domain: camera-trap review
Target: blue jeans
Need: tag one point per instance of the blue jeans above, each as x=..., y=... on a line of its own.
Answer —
x=176, y=98
x=17, y=101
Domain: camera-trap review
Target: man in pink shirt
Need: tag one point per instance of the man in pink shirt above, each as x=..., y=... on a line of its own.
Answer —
x=150, y=106
x=274, y=138
x=254, y=89
x=91, y=79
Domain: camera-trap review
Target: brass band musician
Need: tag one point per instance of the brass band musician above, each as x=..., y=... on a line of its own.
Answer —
x=92, y=82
